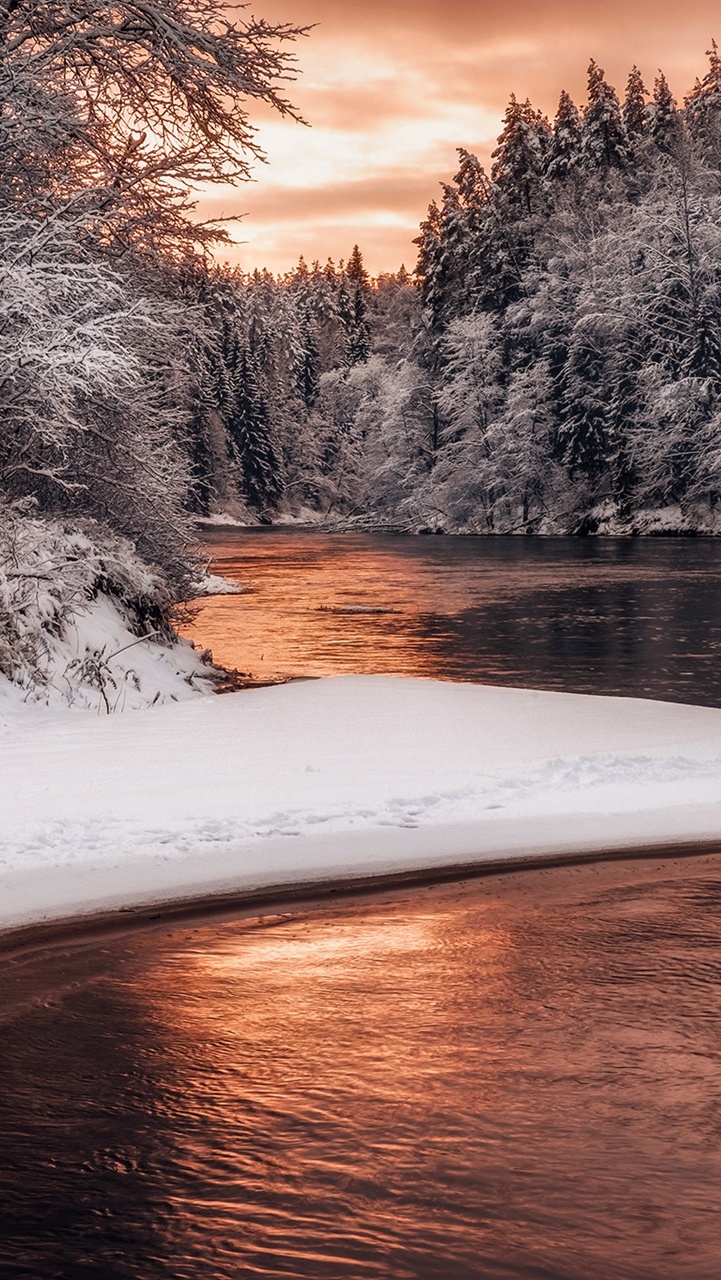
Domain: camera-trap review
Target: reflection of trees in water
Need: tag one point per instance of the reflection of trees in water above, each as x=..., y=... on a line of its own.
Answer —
x=627, y=639
x=589, y=615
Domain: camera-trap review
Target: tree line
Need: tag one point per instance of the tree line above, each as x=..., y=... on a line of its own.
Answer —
x=554, y=364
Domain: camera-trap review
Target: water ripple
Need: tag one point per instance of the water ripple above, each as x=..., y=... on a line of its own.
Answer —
x=456, y=1084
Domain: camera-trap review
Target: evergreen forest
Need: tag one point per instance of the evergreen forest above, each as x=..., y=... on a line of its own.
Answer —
x=553, y=365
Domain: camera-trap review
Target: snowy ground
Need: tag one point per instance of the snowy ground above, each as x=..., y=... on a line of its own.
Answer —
x=330, y=779
x=97, y=663
x=82, y=622
x=212, y=584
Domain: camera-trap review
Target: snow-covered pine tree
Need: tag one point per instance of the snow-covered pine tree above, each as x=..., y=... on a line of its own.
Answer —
x=355, y=308
x=428, y=270
x=703, y=108
x=564, y=151
x=665, y=122
x=394, y=314
x=635, y=111
x=250, y=436
x=584, y=434
x=307, y=365
x=604, y=141
x=520, y=160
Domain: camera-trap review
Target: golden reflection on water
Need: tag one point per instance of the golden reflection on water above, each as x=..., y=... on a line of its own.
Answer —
x=324, y=607
x=394, y=1089
x=306, y=1061
x=381, y=981
x=467, y=1081
x=615, y=616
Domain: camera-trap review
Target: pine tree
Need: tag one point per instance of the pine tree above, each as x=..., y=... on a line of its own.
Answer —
x=603, y=137
x=519, y=158
x=427, y=271
x=564, y=153
x=635, y=111
x=584, y=435
x=703, y=107
x=307, y=366
x=250, y=437
x=458, y=255
x=665, y=120
x=471, y=183
x=354, y=310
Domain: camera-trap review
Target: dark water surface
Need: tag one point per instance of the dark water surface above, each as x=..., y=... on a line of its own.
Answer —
x=516, y=1077
x=634, y=616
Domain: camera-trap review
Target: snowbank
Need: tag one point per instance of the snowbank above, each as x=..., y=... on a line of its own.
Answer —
x=212, y=584
x=225, y=519
x=331, y=779
x=98, y=663
x=83, y=622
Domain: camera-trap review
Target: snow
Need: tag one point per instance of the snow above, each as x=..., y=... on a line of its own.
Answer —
x=222, y=519
x=212, y=584
x=83, y=622
x=329, y=780
x=97, y=662
x=303, y=516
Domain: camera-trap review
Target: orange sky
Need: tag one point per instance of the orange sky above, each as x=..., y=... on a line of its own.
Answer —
x=391, y=87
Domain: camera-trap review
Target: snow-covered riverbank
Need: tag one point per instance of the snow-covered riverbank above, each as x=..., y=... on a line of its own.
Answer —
x=335, y=779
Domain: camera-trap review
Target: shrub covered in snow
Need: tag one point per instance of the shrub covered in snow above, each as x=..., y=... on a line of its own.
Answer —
x=84, y=622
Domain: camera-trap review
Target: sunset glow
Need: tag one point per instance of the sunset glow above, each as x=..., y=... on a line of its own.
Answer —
x=390, y=91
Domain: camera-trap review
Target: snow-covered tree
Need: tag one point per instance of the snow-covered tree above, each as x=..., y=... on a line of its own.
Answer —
x=635, y=111
x=665, y=124
x=353, y=308
x=564, y=151
x=703, y=106
x=250, y=434
x=604, y=140
x=520, y=158
x=109, y=114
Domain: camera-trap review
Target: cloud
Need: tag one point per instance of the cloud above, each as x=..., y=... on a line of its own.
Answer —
x=392, y=87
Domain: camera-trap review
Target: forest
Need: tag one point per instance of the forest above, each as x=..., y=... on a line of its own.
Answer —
x=552, y=364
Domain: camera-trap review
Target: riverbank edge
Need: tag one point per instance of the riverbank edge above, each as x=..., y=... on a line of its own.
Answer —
x=317, y=894
x=659, y=523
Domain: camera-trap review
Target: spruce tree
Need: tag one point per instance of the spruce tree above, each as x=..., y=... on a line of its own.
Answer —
x=703, y=107
x=584, y=434
x=354, y=310
x=460, y=237
x=564, y=153
x=427, y=271
x=603, y=137
x=519, y=158
x=307, y=367
x=249, y=432
x=665, y=122
x=635, y=111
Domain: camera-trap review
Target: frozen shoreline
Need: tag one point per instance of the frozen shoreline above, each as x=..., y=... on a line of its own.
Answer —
x=320, y=894
x=303, y=787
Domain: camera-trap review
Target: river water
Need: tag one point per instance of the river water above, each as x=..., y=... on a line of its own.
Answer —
x=516, y=1077
x=631, y=616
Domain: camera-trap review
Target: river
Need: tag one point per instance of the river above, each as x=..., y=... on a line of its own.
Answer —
x=513, y=1077
x=639, y=617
